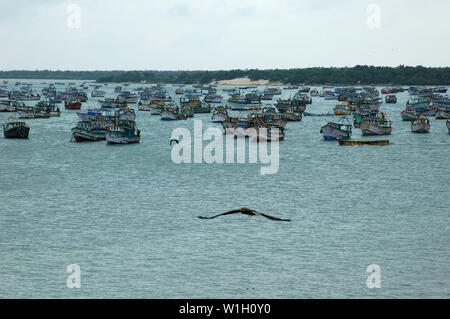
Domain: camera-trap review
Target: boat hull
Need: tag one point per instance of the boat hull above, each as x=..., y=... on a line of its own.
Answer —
x=84, y=136
x=218, y=118
x=113, y=138
x=155, y=110
x=373, y=129
x=17, y=132
x=420, y=128
x=380, y=143
x=73, y=106
x=331, y=133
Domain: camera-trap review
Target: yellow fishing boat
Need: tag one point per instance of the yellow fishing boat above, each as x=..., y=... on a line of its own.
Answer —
x=379, y=142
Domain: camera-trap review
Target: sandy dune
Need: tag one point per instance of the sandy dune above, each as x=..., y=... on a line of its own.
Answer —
x=243, y=81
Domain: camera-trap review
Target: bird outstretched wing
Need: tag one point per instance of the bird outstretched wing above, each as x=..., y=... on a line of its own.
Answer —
x=246, y=211
x=235, y=211
x=270, y=217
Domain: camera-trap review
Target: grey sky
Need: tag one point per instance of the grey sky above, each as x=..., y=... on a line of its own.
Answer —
x=222, y=34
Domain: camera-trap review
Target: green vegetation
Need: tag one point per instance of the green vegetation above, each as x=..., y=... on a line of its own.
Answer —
x=401, y=75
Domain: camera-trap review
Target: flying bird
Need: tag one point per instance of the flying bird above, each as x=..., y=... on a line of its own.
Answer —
x=247, y=211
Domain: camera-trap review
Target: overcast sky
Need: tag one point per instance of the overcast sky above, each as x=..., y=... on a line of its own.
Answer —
x=222, y=34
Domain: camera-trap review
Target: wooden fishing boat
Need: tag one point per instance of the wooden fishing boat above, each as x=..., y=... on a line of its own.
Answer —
x=171, y=113
x=123, y=132
x=391, y=99
x=293, y=115
x=266, y=133
x=380, y=125
x=377, y=143
x=409, y=114
x=48, y=107
x=10, y=106
x=30, y=112
x=144, y=106
x=443, y=114
x=219, y=115
x=342, y=109
x=213, y=98
x=15, y=129
x=421, y=125
x=88, y=131
x=334, y=130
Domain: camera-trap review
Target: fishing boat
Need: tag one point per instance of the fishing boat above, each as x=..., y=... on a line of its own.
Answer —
x=123, y=134
x=48, y=107
x=88, y=131
x=156, y=106
x=237, y=102
x=194, y=103
x=97, y=93
x=440, y=90
x=304, y=89
x=380, y=125
x=90, y=115
x=420, y=125
x=316, y=114
x=334, y=130
x=72, y=104
x=269, y=116
x=293, y=115
x=342, y=109
x=10, y=106
x=30, y=112
x=144, y=106
x=297, y=103
x=448, y=126
x=127, y=97
x=219, y=115
x=213, y=98
x=15, y=129
x=391, y=99
x=443, y=113
x=314, y=93
x=265, y=133
x=274, y=91
x=171, y=113
x=408, y=114
x=199, y=107
x=123, y=129
x=376, y=143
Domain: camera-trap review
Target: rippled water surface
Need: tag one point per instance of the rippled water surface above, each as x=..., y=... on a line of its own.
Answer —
x=127, y=215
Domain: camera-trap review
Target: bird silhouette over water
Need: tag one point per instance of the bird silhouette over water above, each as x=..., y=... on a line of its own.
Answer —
x=247, y=211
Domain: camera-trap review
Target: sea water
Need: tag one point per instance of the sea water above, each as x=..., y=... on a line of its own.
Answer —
x=127, y=215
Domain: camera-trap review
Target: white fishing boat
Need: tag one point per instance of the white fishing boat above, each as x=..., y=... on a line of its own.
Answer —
x=443, y=114
x=171, y=114
x=334, y=130
x=123, y=135
x=219, y=115
x=420, y=125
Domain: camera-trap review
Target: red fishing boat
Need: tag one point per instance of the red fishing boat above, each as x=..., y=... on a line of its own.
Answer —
x=72, y=104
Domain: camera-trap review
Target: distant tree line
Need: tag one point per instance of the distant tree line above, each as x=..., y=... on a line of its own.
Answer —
x=401, y=75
